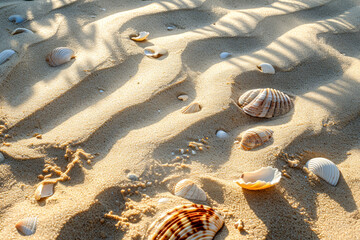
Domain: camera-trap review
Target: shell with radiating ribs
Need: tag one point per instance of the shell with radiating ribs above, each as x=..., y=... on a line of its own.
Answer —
x=254, y=137
x=262, y=178
x=27, y=226
x=188, y=189
x=325, y=169
x=60, y=56
x=266, y=103
x=5, y=55
x=191, y=108
x=190, y=222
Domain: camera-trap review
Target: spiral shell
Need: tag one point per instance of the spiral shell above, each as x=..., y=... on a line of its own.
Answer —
x=44, y=190
x=190, y=222
x=140, y=37
x=154, y=51
x=266, y=103
x=21, y=30
x=60, y=56
x=5, y=55
x=188, y=189
x=191, y=108
x=325, y=169
x=16, y=19
x=262, y=178
x=254, y=137
x=266, y=68
x=27, y=226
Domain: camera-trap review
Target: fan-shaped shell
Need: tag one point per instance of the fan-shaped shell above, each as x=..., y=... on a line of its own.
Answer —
x=21, y=30
x=254, y=137
x=27, y=226
x=5, y=55
x=140, y=37
x=266, y=68
x=188, y=189
x=266, y=103
x=325, y=169
x=44, y=190
x=60, y=56
x=262, y=178
x=154, y=51
x=191, y=108
x=16, y=19
x=190, y=222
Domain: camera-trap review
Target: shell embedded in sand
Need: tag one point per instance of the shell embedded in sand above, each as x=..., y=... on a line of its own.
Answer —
x=5, y=55
x=154, y=51
x=16, y=19
x=183, y=97
x=265, y=102
x=188, y=189
x=224, y=55
x=44, y=190
x=190, y=221
x=222, y=134
x=140, y=37
x=263, y=178
x=60, y=56
x=325, y=169
x=266, y=68
x=254, y=137
x=191, y=108
x=27, y=226
x=21, y=30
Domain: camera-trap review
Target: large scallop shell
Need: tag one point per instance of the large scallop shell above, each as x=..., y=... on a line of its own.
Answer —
x=27, y=226
x=262, y=178
x=190, y=222
x=21, y=30
x=44, y=190
x=254, y=137
x=266, y=68
x=266, y=103
x=325, y=169
x=154, y=51
x=5, y=55
x=191, y=108
x=140, y=37
x=188, y=189
x=60, y=56
x=16, y=19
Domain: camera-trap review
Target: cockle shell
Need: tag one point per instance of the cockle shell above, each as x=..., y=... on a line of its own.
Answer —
x=190, y=222
x=16, y=19
x=27, y=226
x=154, y=51
x=266, y=68
x=188, y=189
x=254, y=137
x=140, y=37
x=44, y=190
x=191, y=108
x=262, y=178
x=5, y=55
x=325, y=169
x=60, y=56
x=265, y=102
x=21, y=30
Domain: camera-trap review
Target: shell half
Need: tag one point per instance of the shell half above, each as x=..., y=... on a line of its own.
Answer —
x=254, y=137
x=21, y=30
x=183, y=97
x=325, y=169
x=27, y=226
x=16, y=19
x=44, y=190
x=191, y=222
x=191, y=108
x=262, y=178
x=224, y=55
x=5, y=55
x=59, y=56
x=266, y=68
x=188, y=189
x=140, y=37
x=154, y=51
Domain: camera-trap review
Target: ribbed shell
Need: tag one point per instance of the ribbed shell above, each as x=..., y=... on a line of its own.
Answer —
x=16, y=19
x=325, y=169
x=263, y=178
x=254, y=137
x=191, y=108
x=5, y=55
x=27, y=226
x=188, y=189
x=60, y=56
x=44, y=190
x=187, y=222
x=266, y=103
x=21, y=30
x=154, y=51
x=140, y=37
x=266, y=68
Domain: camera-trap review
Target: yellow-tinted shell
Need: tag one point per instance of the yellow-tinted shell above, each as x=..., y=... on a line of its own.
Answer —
x=191, y=108
x=44, y=190
x=260, y=179
x=188, y=189
x=254, y=137
x=140, y=37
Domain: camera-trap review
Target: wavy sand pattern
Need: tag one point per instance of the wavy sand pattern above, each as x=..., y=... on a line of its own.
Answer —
x=122, y=107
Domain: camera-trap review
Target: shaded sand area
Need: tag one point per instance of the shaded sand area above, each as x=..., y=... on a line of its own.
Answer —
x=120, y=109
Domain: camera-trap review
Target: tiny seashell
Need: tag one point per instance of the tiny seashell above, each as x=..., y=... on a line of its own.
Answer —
x=132, y=177
x=265, y=102
x=154, y=51
x=192, y=108
x=225, y=55
x=2, y=158
x=325, y=169
x=188, y=189
x=254, y=137
x=60, y=56
x=183, y=97
x=16, y=19
x=187, y=222
x=170, y=28
x=140, y=37
x=263, y=178
x=44, y=190
x=5, y=55
x=222, y=134
x=21, y=30
x=27, y=226
x=163, y=200
x=266, y=68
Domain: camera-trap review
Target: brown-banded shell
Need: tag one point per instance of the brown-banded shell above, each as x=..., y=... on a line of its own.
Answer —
x=254, y=137
x=265, y=102
x=60, y=56
x=325, y=169
x=191, y=108
x=188, y=189
x=44, y=190
x=263, y=178
x=191, y=222
x=5, y=55
x=154, y=51
x=21, y=30
x=266, y=68
x=140, y=37
x=27, y=226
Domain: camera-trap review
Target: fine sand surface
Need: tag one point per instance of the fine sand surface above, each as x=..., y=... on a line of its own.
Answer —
x=122, y=108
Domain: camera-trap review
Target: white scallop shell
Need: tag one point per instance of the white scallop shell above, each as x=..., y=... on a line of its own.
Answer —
x=140, y=37
x=21, y=30
x=154, y=51
x=263, y=178
x=16, y=19
x=266, y=68
x=188, y=189
x=60, y=56
x=27, y=226
x=222, y=134
x=183, y=97
x=5, y=55
x=191, y=108
x=225, y=55
x=44, y=190
x=325, y=169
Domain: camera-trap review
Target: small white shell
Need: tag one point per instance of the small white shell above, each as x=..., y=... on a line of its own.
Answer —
x=27, y=226
x=188, y=189
x=222, y=134
x=140, y=37
x=170, y=28
x=21, y=30
x=191, y=108
x=60, y=56
x=266, y=68
x=5, y=55
x=16, y=19
x=263, y=178
x=183, y=97
x=325, y=169
x=154, y=51
x=225, y=55
x=163, y=200
x=44, y=190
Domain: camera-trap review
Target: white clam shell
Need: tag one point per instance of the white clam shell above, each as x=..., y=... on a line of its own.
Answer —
x=27, y=226
x=222, y=134
x=59, y=56
x=224, y=55
x=21, y=30
x=5, y=55
x=262, y=178
x=188, y=189
x=266, y=68
x=191, y=108
x=16, y=19
x=325, y=169
x=44, y=190
x=154, y=51
x=183, y=97
x=140, y=37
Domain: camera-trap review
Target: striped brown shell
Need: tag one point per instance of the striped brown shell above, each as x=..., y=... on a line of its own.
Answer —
x=186, y=188
x=254, y=137
x=187, y=222
x=60, y=56
x=265, y=103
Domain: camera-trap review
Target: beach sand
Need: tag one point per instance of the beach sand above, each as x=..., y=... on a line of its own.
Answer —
x=122, y=109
